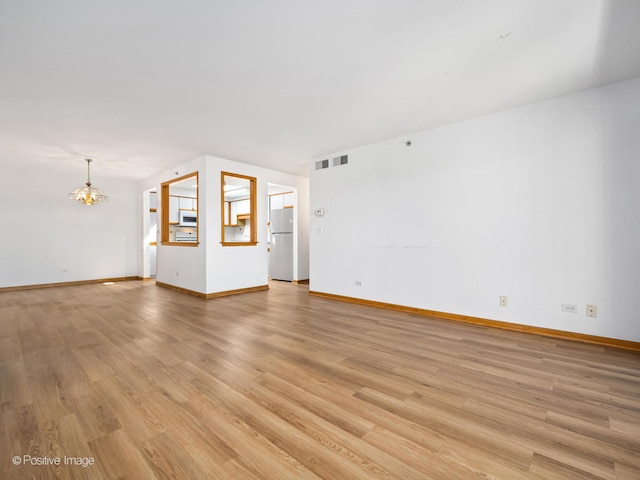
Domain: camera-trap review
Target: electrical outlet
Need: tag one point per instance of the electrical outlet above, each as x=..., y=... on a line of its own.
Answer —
x=569, y=308
x=592, y=310
x=64, y=270
x=503, y=300
x=358, y=283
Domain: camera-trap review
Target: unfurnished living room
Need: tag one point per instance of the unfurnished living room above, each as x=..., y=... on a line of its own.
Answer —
x=320, y=240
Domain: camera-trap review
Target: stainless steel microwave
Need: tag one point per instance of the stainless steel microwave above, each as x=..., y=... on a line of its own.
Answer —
x=188, y=218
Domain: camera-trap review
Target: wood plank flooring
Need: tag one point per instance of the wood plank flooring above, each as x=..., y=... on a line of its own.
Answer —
x=152, y=384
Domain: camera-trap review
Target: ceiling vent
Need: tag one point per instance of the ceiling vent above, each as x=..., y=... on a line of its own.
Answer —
x=342, y=160
x=320, y=164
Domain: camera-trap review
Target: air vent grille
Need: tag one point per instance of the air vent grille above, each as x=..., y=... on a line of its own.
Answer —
x=320, y=164
x=341, y=160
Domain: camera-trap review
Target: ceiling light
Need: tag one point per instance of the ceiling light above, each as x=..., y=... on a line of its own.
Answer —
x=88, y=195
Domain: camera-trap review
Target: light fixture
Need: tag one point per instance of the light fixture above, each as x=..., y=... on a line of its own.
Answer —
x=88, y=195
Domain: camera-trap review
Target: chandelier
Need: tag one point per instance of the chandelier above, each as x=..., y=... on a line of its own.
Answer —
x=88, y=195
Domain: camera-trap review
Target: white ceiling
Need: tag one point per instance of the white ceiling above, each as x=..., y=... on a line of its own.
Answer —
x=142, y=86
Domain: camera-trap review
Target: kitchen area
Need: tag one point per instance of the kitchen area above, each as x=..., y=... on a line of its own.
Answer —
x=244, y=219
x=183, y=212
x=183, y=219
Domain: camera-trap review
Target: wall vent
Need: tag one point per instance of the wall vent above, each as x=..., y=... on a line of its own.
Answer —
x=320, y=164
x=342, y=160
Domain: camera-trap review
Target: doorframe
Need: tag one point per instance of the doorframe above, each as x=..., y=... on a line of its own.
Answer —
x=287, y=188
x=146, y=232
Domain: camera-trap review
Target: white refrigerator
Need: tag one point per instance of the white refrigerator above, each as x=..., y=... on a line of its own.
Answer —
x=281, y=249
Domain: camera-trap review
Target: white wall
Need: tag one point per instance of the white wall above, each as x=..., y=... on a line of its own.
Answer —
x=231, y=267
x=210, y=267
x=42, y=232
x=539, y=203
x=180, y=266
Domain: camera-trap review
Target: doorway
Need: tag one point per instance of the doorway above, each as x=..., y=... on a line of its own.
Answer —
x=150, y=228
x=282, y=227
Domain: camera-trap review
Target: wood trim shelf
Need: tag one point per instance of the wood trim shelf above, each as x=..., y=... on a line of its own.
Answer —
x=517, y=327
x=180, y=244
x=253, y=208
x=165, y=189
x=184, y=196
x=280, y=193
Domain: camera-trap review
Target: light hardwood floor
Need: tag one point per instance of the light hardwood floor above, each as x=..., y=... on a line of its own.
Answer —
x=152, y=383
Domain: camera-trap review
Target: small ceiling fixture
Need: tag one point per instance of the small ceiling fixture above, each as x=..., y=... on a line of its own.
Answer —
x=88, y=195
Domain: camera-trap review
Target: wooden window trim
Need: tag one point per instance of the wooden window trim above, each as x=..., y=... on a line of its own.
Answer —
x=253, y=209
x=164, y=202
x=239, y=244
